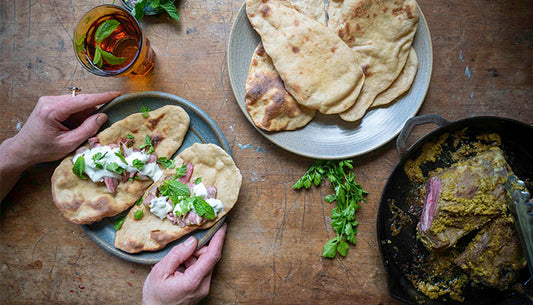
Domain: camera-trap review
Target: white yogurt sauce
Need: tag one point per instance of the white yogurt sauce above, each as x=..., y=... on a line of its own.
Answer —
x=160, y=207
x=151, y=170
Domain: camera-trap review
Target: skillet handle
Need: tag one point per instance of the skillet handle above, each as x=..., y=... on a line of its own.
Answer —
x=401, y=141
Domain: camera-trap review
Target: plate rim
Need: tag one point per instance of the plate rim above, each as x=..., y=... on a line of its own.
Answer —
x=266, y=134
x=188, y=106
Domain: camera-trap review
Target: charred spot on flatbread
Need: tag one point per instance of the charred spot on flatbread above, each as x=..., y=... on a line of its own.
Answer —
x=151, y=123
x=269, y=104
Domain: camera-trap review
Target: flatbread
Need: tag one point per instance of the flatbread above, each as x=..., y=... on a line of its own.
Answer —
x=401, y=84
x=270, y=106
x=318, y=69
x=381, y=32
x=84, y=201
x=150, y=233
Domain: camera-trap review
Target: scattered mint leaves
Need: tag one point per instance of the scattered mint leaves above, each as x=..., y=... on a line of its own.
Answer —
x=167, y=5
x=138, y=163
x=147, y=143
x=138, y=214
x=198, y=180
x=145, y=111
x=139, y=201
x=118, y=223
x=348, y=194
x=203, y=208
x=181, y=171
x=79, y=167
x=166, y=163
x=121, y=157
x=113, y=167
x=129, y=136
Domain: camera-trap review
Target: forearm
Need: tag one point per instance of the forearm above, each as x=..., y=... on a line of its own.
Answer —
x=13, y=161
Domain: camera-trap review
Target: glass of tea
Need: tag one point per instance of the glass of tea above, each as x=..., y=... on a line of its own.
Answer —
x=108, y=41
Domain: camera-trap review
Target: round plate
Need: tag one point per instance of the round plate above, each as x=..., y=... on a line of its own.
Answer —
x=328, y=136
x=202, y=129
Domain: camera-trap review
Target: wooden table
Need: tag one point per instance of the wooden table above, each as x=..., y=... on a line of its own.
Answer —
x=483, y=56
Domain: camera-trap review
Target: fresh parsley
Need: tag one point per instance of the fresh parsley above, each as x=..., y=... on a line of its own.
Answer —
x=104, y=30
x=166, y=163
x=147, y=143
x=145, y=111
x=348, y=194
x=79, y=167
x=167, y=5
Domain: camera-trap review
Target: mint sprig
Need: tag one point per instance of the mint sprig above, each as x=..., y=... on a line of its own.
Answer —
x=167, y=5
x=104, y=30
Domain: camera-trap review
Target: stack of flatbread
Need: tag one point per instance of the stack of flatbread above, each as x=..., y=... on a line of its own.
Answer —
x=361, y=57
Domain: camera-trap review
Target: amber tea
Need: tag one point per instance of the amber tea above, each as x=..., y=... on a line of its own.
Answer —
x=108, y=41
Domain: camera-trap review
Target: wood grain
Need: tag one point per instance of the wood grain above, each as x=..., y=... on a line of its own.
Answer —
x=272, y=255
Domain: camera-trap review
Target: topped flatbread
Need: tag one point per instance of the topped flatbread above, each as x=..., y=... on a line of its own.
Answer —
x=83, y=201
x=318, y=69
x=156, y=220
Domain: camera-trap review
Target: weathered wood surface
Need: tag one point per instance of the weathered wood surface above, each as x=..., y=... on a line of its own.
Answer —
x=483, y=56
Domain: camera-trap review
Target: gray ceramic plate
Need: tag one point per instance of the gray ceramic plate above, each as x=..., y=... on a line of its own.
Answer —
x=328, y=136
x=202, y=130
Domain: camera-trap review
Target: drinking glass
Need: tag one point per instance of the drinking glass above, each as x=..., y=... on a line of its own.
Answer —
x=108, y=41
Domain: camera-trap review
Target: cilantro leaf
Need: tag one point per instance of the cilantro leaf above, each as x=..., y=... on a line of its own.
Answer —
x=79, y=167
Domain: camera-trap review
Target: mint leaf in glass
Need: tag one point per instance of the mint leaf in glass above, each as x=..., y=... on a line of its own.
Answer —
x=105, y=29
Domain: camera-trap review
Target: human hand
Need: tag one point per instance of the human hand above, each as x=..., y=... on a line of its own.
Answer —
x=183, y=276
x=58, y=125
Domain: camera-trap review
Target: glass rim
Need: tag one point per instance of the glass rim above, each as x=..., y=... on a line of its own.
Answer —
x=94, y=69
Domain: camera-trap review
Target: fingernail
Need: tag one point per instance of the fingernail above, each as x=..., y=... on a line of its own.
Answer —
x=189, y=241
x=100, y=120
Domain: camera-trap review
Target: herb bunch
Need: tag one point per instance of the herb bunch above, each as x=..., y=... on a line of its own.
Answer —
x=348, y=194
x=167, y=5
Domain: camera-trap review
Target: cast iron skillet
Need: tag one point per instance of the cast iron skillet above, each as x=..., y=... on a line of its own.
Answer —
x=397, y=251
